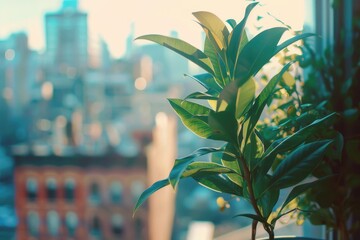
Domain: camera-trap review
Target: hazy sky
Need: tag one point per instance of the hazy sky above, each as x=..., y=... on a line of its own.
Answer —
x=111, y=19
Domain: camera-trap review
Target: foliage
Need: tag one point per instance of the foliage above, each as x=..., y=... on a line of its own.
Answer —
x=331, y=84
x=336, y=71
x=229, y=111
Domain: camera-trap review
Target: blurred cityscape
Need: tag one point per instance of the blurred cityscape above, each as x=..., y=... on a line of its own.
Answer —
x=83, y=134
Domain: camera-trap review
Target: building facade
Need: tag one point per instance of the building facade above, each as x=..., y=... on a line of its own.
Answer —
x=79, y=197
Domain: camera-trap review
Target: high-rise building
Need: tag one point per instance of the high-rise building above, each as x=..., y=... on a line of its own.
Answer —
x=67, y=38
x=15, y=72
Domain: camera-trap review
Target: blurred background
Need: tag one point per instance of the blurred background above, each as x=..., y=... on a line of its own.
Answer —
x=85, y=124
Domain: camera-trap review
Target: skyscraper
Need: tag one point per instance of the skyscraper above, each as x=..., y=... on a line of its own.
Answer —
x=16, y=81
x=67, y=38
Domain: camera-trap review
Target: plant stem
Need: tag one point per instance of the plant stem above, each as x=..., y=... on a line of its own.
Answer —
x=270, y=232
x=247, y=177
x=253, y=229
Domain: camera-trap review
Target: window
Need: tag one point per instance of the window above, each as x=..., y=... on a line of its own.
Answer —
x=53, y=223
x=71, y=221
x=51, y=189
x=116, y=192
x=33, y=223
x=117, y=224
x=95, y=227
x=31, y=189
x=69, y=190
x=94, y=197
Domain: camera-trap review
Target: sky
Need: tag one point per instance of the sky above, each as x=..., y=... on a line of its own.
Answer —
x=111, y=19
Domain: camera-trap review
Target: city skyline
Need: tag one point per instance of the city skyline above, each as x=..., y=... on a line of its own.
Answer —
x=112, y=21
x=86, y=124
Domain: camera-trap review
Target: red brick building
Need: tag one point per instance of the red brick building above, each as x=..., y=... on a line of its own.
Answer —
x=79, y=197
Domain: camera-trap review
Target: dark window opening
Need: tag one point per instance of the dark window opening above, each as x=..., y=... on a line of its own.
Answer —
x=95, y=227
x=116, y=192
x=94, y=197
x=117, y=225
x=51, y=189
x=31, y=190
x=69, y=190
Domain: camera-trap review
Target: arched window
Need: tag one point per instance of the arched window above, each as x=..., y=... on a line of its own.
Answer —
x=95, y=227
x=31, y=189
x=71, y=221
x=117, y=224
x=69, y=190
x=51, y=189
x=94, y=196
x=115, y=192
x=53, y=223
x=33, y=223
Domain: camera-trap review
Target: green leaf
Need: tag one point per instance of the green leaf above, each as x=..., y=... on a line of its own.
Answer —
x=251, y=59
x=216, y=43
x=201, y=96
x=256, y=53
x=296, y=191
x=215, y=26
x=229, y=160
x=245, y=96
x=224, y=126
x=292, y=40
x=182, y=163
x=231, y=22
x=299, y=164
x=290, y=143
x=238, y=37
x=243, y=138
x=196, y=168
x=217, y=62
x=267, y=201
x=323, y=216
x=216, y=157
x=227, y=98
x=183, y=48
x=207, y=81
x=148, y=192
x=207, y=174
x=253, y=150
x=246, y=194
x=257, y=108
x=218, y=183
x=190, y=107
x=193, y=116
x=236, y=99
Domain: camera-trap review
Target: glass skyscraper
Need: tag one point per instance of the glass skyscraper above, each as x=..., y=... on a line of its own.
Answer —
x=67, y=38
